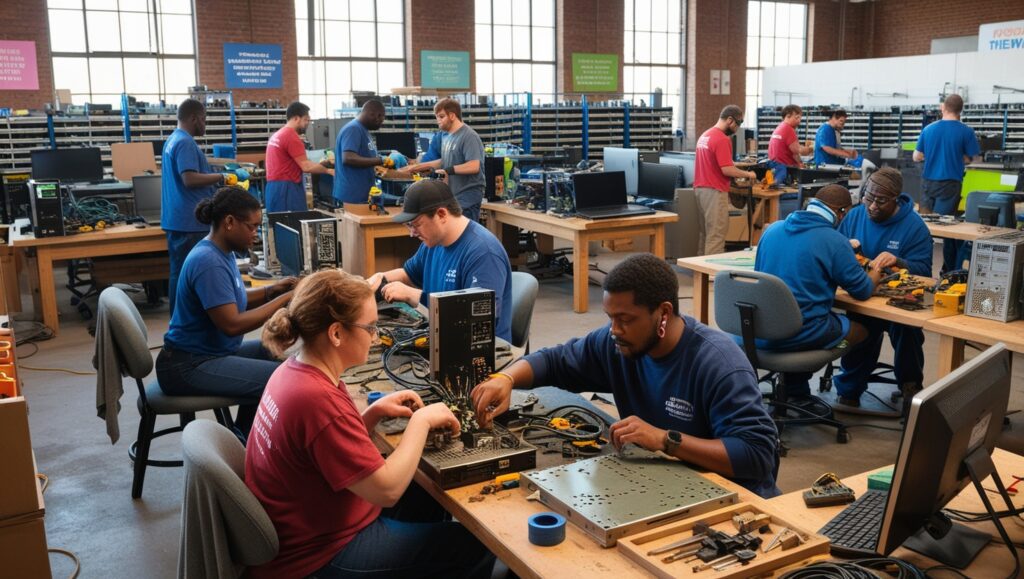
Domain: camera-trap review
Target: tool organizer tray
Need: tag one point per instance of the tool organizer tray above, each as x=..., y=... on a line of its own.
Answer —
x=636, y=547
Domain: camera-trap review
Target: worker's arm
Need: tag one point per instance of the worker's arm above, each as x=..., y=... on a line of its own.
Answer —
x=471, y=167
x=849, y=154
x=195, y=179
x=258, y=296
x=969, y=159
x=397, y=274
x=231, y=322
x=708, y=453
x=799, y=150
x=424, y=167
x=491, y=397
x=918, y=156
x=353, y=159
x=737, y=173
x=310, y=167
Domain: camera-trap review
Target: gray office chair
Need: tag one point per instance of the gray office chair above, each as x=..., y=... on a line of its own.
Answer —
x=130, y=339
x=524, y=297
x=757, y=305
x=223, y=525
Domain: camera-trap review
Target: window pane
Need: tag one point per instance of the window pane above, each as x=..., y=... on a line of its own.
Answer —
x=141, y=75
x=176, y=34
x=629, y=16
x=302, y=37
x=390, y=41
x=482, y=11
x=521, y=42
x=135, y=33
x=389, y=11
x=674, y=21
x=627, y=77
x=179, y=74
x=483, y=78
x=174, y=6
x=659, y=50
x=643, y=15
x=798, y=12
x=360, y=10
x=390, y=75
x=502, y=13
x=335, y=9
x=659, y=15
x=72, y=74
x=364, y=41
x=521, y=75
x=767, y=51
x=767, y=19
x=364, y=76
x=67, y=31
x=642, y=47
x=336, y=41
x=642, y=79
x=502, y=78
x=752, y=81
x=300, y=9
x=781, y=52
x=64, y=4
x=543, y=13
x=502, y=42
x=338, y=77
x=104, y=31
x=544, y=80
x=627, y=48
x=782, y=21
x=101, y=4
x=675, y=48
x=306, y=77
x=796, y=51
x=544, y=44
x=106, y=75
x=483, y=42
x=753, y=50
x=753, y=17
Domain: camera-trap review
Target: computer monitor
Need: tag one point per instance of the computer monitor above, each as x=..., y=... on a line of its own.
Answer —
x=599, y=189
x=951, y=430
x=688, y=161
x=991, y=142
x=659, y=181
x=288, y=247
x=404, y=143
x=991, y=208
x=627, y=161
x=818, y=175
x=69, y=165
x=873, y=155
x=147, y=191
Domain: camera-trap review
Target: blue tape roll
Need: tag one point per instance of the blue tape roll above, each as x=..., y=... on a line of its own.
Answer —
x=373, y=397
x=546, y=529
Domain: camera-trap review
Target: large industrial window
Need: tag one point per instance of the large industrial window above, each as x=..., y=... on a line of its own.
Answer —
x=652, y=59
x=776, y=36
x=348, y=46
x=102, y=48
x=515, y=48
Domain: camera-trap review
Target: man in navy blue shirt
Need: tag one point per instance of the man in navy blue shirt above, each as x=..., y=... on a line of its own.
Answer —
x=945, y=146
x=892, y=234
x=186, y=179
x=826, y=141
x=355, y=155
x=681, y=387
x=456, y=253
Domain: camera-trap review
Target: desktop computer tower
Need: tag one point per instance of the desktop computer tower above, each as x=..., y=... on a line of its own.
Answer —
x=320, y=249
x=15, y=203
x=997, y=269
x=47, y=201
x=462, y=337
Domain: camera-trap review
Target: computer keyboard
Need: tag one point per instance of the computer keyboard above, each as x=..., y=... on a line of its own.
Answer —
x=854, y=532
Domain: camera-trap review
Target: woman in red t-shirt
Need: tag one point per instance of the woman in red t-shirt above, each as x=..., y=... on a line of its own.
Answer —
x=312, y=465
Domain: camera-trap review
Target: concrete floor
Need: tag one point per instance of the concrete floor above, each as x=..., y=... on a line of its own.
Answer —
x=89, y=509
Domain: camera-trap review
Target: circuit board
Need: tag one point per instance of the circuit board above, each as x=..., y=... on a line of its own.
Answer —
x=456, y=465
x=610, y=497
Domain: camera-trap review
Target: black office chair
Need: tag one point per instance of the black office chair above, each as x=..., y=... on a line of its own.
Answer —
x=756, y=305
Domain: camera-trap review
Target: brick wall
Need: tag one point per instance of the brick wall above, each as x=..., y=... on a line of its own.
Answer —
x=26, y=20
x=824, y=41
x=716, y=39
x=438, y=25
x=247, y=21
x=591, y=26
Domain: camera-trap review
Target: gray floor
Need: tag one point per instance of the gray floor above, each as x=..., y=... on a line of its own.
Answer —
x=88, y=505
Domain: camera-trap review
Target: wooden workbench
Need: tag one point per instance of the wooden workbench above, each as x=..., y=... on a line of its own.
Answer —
x=360, y=234
x=955, y=331
x=963, y=231
x=580, y=232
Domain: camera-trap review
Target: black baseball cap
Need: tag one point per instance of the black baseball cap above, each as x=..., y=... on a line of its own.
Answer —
x=423, y=197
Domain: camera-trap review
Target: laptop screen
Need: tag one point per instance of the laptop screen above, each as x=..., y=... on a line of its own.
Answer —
x=599, y=189
x=147, y=193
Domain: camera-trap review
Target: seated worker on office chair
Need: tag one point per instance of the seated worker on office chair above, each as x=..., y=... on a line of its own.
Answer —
x=313, y=467
x=892, y=234
x=680, y=386
x=203, y=352
x=456, y=253
x=807, y=253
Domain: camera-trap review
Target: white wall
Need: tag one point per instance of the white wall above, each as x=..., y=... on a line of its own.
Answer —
x=871, y=82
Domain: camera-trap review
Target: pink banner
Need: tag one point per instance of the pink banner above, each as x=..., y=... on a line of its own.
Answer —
x=18, y=65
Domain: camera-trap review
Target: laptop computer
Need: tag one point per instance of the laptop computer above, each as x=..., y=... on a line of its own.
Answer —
x=603, y=195
x=146, y=189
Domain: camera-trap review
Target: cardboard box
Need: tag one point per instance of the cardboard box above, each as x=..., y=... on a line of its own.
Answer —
x=19, y=494
x=23, y=548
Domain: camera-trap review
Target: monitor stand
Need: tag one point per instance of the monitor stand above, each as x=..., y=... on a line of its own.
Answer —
x=961, y=544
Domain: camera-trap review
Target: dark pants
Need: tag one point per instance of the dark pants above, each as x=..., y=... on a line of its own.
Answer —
x=242, y=375
x=179, y=243
x=860, y=362
x=798, y=384
x=285, y=196
x=409, y=541
x=472, y=212
x=944, y=198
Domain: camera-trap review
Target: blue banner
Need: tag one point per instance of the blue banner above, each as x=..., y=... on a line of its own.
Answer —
x=252, y=65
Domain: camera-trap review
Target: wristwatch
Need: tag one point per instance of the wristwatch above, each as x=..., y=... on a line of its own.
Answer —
x=672, y=441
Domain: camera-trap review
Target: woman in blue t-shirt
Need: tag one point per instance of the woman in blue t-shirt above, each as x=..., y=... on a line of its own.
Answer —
x=203, y=351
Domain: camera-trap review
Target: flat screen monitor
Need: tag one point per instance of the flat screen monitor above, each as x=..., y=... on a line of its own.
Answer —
x=958, y=417
x=991, y=208
x=992, y=142
x=404, y=143
x=601, y=189
x=686, y=160
x=147, y=191
x=873, y=155
x=288, y=247
x=627, y=161
x=68, y=165
x=659, y=181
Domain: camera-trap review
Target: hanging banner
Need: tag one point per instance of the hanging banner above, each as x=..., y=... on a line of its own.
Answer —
x=444, y=69
x=18, y=69
x=1001, y=36
x=595, y=72
x=252, y=65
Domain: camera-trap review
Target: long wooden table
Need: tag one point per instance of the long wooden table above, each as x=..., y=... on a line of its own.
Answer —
x=955, y=331
x=119, y=240
x=580, y=232
x=963, y=231
x=705, y=267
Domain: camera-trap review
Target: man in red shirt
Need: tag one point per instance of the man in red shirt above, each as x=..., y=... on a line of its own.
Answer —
x=784, y=148
x=712, y=174
x=287, y=161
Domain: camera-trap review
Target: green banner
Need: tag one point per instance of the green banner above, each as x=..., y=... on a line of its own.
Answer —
x=595, y=72
x=444, y=69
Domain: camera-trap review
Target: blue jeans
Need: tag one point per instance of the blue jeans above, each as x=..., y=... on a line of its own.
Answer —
x=410, y=541
x=179, y=243
x=944, y=198
x=242, y=375
x=798, y=384
x=861, y=360
x=285, y=196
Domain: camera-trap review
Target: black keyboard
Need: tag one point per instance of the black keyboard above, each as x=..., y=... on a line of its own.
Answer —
x=854, y=532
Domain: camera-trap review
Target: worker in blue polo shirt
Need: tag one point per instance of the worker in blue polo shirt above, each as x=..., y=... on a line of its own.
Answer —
x=433, y=152
x=680, y=387
x=827, y=150
x=892, y=234
x=946, y=146
x=355, y=155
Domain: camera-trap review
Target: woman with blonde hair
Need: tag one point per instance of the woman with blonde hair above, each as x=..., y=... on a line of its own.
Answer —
x=311, y=463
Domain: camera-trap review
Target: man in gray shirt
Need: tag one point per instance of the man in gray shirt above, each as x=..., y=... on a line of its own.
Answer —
x=462, y=158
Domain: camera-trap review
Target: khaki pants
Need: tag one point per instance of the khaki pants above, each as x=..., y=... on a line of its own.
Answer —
x=713, y=206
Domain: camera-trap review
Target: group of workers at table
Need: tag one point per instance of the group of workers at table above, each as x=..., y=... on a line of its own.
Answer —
x=681, y=387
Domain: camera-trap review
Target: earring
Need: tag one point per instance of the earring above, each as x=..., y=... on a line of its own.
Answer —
x=661, y=327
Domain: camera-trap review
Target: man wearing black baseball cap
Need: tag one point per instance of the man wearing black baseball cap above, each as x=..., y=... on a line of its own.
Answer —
x=456, y=253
